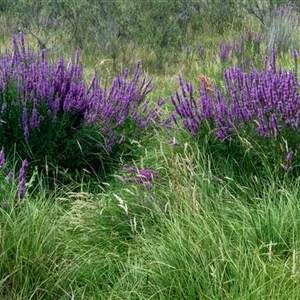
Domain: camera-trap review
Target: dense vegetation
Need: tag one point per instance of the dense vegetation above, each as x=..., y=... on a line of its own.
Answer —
x=149, y=149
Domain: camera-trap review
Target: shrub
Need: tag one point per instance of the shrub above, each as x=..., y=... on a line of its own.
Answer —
x=50, y=116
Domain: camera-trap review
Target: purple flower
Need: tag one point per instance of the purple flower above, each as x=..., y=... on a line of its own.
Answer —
x=130, y=170
x=160, y=102
x=295, y=54
x=257, y=38
x=34, y=120
x=267, y=99
x=122, y=139
x=10, y=176
x=26, y=132
x=146, y=174
x=201, y=49
x=289, y=156
x=22, y=40
x=144, y=177
x=3, y=108
x=2, y=158
x=173, y=142
x=224, y=50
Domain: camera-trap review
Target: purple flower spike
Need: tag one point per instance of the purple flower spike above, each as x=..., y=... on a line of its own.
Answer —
x=10, y=176
x=2, y=158
x=288, y=166
x=173, y=142
x=289, y=156
x=130, y=170
x=295, y=54
x=144, y=177
x=3, y=108
x=201, y=49
x=224, y=50
x=122, y=139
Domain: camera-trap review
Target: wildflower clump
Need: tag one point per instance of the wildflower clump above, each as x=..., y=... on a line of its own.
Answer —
x=49, y=114
x=258, y=105
x=245, y=47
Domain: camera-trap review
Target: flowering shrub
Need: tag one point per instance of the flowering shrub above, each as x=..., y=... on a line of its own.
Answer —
x=257, y=105
x=49, y=114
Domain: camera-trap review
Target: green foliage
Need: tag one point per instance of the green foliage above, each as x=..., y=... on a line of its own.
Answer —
x=221, y=15
x=108, y=26
x=262, y=9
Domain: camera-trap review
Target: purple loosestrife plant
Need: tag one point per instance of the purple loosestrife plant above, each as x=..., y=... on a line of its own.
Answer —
x=48, y=112
x=245, y=47
x=10, y=176
x=262, y=105
x=2, y=158
x=194, y=113
x=201, y=49
x=224, y=50
x=122, y=108
x=268, y=99
x=288, y=159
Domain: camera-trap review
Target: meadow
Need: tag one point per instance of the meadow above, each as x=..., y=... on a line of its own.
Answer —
x=149, y=150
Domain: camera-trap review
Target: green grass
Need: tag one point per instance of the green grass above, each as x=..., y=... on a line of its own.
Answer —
x=192, y=236
x=213, y=225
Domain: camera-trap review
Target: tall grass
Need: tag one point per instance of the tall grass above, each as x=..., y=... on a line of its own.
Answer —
x=189, y=237
x=32, y=249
